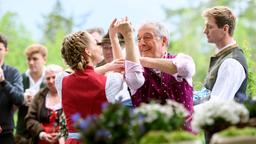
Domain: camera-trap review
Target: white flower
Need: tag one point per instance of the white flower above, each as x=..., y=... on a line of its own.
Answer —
x=152, y=111
x=232, y=112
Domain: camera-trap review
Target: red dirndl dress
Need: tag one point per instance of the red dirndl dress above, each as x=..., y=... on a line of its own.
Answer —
x=51, y=127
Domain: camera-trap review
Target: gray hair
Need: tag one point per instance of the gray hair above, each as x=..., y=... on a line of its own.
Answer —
x=161, y=29
x=53, y=68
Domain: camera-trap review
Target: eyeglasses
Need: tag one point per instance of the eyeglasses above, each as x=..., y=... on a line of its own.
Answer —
x=147, y=37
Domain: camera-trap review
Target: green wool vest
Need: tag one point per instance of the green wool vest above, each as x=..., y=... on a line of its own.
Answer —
x=231, y=52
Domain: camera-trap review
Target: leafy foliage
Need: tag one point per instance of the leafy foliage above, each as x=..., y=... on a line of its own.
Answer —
x=178, y=136
x=155, y=137
x=54, y=48
x=55, y=22
x=18, y=39
x=56, y=26
x=185, y=22
x=120, y=125
x=118, y=120
x=113, y=126
x=233, y=131
x=251, y=87
x=251, y=106
x=187, y=33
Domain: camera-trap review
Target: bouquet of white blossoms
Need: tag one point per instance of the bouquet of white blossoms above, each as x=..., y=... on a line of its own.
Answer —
x=217, y=115
x=167, y=117
x=118, y=124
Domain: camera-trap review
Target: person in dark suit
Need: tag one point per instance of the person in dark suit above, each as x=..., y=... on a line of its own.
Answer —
x=11, y=93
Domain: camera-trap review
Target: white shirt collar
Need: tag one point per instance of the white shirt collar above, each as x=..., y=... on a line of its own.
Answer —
x=226, y=46
x=35, y=85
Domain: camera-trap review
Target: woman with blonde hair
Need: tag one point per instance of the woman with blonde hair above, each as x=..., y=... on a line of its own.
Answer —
x=88, y=88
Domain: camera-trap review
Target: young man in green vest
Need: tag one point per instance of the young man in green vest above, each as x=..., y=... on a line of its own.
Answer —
x=227, y=74
x=32, y=80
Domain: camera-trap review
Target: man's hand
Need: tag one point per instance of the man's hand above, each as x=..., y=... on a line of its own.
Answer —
x=113, y=29
x=124, y=26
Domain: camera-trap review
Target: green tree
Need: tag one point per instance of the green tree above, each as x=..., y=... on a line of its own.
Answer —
x=18, y=39
x=56, y=21
x=188, y=36
x=56, y=26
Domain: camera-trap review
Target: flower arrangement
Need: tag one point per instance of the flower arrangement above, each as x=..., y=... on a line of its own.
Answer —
x=166, y=117
x=113, y=126
x=121, y=125
x=214, y=116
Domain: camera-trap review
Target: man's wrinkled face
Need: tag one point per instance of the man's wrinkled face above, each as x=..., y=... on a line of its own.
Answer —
x=150, y=44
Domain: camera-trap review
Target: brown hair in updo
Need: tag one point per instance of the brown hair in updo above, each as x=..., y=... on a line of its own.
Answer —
x=73, y=48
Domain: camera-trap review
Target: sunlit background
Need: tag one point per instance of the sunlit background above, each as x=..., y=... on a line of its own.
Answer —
x=48, y=21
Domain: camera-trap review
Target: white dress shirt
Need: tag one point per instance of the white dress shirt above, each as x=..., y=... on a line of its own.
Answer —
x=230, y=76
x=116, y=87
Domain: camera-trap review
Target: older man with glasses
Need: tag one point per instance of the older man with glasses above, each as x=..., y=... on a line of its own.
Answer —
x=167, y=76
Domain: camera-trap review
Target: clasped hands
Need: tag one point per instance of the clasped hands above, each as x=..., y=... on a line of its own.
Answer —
x=123, y=26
